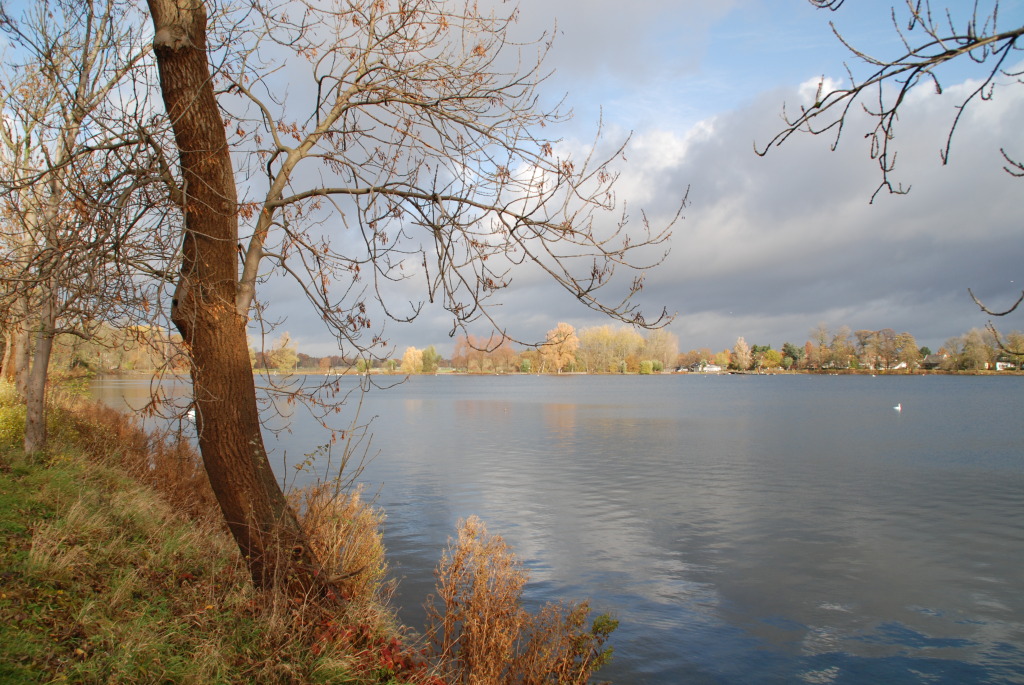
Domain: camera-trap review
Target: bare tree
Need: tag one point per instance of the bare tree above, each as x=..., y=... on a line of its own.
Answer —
x=417, y=154
x=71, y=178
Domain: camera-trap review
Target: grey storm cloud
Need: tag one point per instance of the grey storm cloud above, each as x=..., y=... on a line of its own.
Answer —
x=794, y=233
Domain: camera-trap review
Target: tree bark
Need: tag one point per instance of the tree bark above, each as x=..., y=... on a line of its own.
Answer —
x=5, y=365
x=20, y=355
x=14, y=347
x=35, y=391
x=203, y=309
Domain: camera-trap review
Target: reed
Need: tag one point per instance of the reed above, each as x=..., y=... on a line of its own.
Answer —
x=481, y=635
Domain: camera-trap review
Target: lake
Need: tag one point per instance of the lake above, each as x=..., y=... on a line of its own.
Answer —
x=743, y=529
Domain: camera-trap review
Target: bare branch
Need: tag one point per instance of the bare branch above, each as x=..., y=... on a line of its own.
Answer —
x=929, y=45
x=992, y=313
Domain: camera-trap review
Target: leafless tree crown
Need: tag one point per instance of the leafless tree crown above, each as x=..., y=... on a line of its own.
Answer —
x=420, y=125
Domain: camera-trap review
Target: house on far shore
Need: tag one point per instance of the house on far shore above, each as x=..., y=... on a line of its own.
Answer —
x=704, y=367
x=932, y=361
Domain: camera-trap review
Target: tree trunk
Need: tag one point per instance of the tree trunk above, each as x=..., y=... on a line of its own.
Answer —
x=20, y=354
x=35, y=392
x=5, y=365
x=203, y=310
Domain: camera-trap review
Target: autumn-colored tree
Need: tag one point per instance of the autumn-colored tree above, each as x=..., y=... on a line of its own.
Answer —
x=741, y=356
x=811, y=357
x=820, y=336
x=662, y=346
x=596, y=348
x=412, y=361
x=627, y=344
x=284, y=355
x=979, y=349
x=771, y=359
x=840, y=348
x=688, y=359
x=1013, y=345
x=504, y=357
x=559, y=349
x=863, y=344
x=886, y=348
x=607, y=348
x=529, y=361
x=476, y=354
x=953, y=354
x=909, y=353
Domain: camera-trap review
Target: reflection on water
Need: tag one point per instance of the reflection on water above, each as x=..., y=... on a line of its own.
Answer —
x=743, y=529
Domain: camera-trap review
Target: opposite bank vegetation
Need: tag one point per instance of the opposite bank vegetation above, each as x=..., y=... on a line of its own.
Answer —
x=598, y=350
x=116, y=567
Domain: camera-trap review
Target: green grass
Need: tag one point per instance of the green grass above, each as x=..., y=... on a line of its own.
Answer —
x=103, y=583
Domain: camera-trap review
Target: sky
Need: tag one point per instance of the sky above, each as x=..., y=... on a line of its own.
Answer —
x=769, y=248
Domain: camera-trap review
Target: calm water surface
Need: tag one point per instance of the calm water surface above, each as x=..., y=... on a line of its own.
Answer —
x=745, y=529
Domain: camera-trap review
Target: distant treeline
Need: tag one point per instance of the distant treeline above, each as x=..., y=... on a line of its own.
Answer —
x=598, y=349
x=881, y=350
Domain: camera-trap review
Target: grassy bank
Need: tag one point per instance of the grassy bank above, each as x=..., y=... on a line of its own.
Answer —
x=116, y=568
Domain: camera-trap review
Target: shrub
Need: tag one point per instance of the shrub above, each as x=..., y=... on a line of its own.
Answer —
x=481, y=635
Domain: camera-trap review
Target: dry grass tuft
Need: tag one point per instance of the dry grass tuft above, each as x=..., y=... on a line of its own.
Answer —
x=344, y=531
x=481, y=635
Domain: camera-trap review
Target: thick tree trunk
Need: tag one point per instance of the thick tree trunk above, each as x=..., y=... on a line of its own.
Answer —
x=203, y=309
